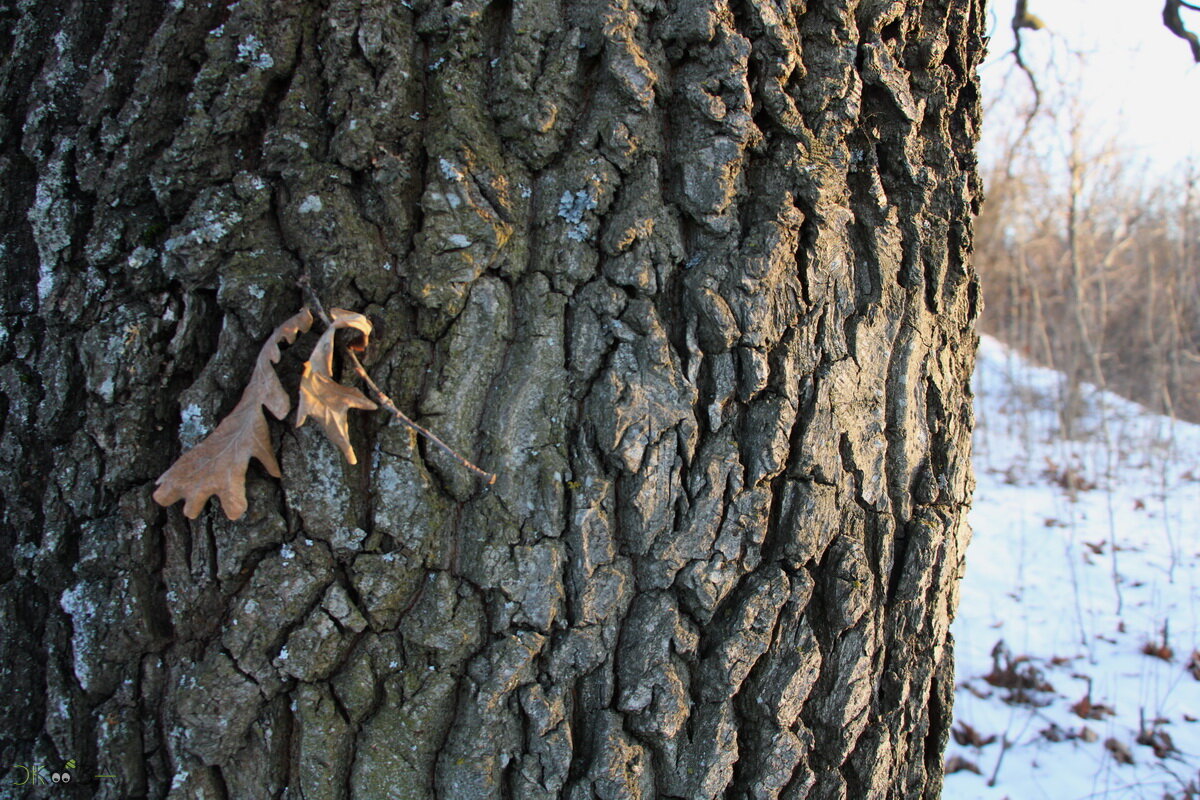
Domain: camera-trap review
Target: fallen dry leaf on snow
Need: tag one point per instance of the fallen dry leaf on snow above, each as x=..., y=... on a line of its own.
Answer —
x=1119, y=751
x=1086, y=709
x=965, y=735
x=323, y=398
x=217, y=465
x=959, y=764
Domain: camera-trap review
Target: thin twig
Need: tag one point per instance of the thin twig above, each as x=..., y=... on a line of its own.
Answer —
x=387, y=403
x=1004, y=745
x=380, y=397
x=1021, y=20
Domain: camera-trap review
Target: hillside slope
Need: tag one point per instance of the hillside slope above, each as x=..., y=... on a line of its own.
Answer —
x=1077, y=630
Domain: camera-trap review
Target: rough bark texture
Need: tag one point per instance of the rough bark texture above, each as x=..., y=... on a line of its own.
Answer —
x=691, y=275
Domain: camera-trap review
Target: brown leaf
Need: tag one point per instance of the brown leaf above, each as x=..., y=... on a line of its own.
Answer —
x=960, y=764
x=326, y=400
x=1158, y=740
x=1193, y=665
x=1086, y=709
x=1055, y=733
x=1119, y=751
x=217, y=465
x=965, y=735
x=1159, y=650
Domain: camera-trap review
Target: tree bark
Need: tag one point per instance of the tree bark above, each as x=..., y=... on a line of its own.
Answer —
x=693, y=277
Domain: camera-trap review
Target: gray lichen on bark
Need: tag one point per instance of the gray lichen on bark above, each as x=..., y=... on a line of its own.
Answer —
x=692, y=276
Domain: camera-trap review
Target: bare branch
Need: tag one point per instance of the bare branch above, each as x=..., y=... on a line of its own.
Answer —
x=1022, y=20
x=1174, y=22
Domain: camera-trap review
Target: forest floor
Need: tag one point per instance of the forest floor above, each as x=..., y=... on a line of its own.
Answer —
x=1078, y=628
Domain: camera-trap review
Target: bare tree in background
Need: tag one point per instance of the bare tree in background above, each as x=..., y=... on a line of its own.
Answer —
x=1023, y=19
x=1089, y=260
x=693, y=278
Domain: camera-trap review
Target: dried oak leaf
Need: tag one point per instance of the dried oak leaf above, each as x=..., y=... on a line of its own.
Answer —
x=321, y=396
x=218, y=464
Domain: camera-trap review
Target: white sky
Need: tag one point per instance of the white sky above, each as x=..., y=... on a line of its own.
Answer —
x=1137, y=79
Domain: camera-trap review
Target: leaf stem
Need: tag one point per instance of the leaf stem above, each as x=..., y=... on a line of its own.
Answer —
x=379, y=395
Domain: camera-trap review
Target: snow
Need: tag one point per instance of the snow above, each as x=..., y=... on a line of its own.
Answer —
x=1042, y=575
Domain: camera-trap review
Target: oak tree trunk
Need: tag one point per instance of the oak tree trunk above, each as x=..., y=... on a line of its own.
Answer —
x=692, y=276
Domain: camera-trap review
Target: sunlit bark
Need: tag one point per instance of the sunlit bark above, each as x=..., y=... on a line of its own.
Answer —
x=692, y=278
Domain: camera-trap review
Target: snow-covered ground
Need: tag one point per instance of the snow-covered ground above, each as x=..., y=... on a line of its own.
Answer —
x=1078, y=627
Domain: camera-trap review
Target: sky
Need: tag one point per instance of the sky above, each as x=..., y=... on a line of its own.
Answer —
x=1137, y=79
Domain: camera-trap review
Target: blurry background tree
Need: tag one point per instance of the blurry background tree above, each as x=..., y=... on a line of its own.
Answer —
x=1087, y=244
